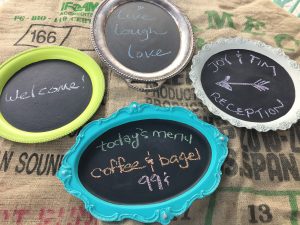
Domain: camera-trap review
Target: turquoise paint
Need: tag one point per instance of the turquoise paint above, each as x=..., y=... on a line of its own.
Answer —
x=162, y=212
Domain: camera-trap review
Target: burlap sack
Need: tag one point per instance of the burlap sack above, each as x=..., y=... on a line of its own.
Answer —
x=261, y=176
x=290, y=6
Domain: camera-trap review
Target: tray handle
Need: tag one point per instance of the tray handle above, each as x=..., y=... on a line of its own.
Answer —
x=144, y=86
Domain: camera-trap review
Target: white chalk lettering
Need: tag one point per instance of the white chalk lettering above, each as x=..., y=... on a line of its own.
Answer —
x=219, y=63
x=175, y=136
x=261, y=63
x=131, y=140
x=253, y=57
x=273, y=68
x=134, y=54
x=126, y=16
x=144, y=33
x=239, y=56
x=39, y=92
x=248, y=112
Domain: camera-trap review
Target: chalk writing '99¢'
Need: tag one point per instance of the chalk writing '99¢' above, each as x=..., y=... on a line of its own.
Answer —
x=155, y=179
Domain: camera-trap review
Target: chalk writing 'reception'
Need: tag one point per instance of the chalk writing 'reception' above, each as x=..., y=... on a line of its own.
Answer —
x=140, y=33
x=248, y=85
x=40, y=92
x=248, y=112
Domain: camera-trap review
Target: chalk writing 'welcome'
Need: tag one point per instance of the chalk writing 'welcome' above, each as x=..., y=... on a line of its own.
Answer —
x=35, y=92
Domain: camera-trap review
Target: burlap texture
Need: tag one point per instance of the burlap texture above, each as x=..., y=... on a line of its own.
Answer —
x=261, y=175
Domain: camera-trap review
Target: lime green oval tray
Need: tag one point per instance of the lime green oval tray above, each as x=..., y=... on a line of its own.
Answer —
x=9, y=68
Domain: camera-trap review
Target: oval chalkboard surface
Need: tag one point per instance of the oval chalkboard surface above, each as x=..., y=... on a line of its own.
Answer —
x=142, y=36
x=46, y=95
x=116, y=164
x=147, y=156
x=49, y=93
x=248, y=82
x=142, y=40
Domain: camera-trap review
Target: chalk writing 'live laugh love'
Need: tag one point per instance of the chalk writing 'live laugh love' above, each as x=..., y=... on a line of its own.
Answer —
x=143, y=34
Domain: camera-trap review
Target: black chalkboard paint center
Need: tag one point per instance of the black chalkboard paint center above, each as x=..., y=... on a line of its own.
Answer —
x=144, y=161
x=248, y=85
x=45, y=95
x=142, y=36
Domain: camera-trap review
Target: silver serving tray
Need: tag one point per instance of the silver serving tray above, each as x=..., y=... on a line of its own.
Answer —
x=134, y=79
x=276, y=54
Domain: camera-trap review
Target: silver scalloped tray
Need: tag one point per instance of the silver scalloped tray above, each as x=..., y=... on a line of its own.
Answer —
x=230, y=82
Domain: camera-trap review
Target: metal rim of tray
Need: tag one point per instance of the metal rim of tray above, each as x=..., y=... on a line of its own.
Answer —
x=99, y=42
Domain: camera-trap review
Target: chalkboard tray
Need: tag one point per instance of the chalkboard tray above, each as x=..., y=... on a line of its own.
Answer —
x=47, y=93
x=127, y=166
x=143, y=41
x=248, y=83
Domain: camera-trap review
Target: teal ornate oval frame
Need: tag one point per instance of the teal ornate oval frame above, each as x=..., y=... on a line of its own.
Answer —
x=164, y=211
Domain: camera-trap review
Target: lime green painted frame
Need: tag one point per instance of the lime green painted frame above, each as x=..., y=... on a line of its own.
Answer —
x=14, y=64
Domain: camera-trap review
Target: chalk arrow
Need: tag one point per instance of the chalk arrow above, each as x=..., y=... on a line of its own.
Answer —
x=259, y=84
